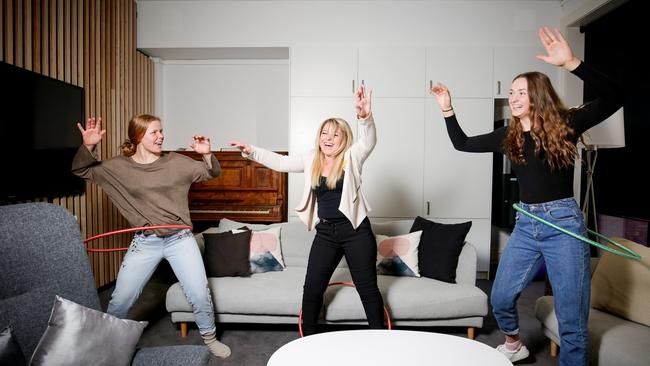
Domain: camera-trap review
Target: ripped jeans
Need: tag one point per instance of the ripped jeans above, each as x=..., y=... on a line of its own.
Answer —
x=182, y=253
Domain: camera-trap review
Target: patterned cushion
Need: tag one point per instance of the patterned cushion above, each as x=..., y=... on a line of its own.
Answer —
x=398, y=255
x=265, y=250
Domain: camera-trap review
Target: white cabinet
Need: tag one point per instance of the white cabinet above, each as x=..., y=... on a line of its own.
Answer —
x=457, y=184
x=393, y=71
x=392, y=175
x=510, y=61
x=323, y=71
x=466, y=71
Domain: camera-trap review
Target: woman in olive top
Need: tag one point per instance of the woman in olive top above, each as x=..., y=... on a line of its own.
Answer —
x=150, y=188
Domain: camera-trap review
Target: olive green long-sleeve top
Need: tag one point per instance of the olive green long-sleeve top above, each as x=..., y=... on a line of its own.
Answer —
x=147, y=194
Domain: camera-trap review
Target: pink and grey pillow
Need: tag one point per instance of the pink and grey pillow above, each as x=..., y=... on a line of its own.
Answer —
x=398, y=255
x=265, y=251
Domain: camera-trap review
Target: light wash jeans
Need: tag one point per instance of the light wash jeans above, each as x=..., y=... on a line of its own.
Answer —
x=567, y=264
x=182, y=253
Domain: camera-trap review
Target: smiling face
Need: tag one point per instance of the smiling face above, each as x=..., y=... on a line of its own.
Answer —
x=152, y=139
x=331, y=138
x=519, y=100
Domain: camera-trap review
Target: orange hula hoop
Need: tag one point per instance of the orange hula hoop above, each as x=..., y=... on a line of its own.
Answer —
x=122, y=231
x=348, y=284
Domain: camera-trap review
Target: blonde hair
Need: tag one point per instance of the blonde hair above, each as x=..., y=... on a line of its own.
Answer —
x=339, y=162
x=137, y=128
x=549, y=128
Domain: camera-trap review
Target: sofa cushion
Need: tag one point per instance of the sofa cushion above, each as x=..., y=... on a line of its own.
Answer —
x=440, y=246
x=406, y=298
x=77, y=335
x=398, y=255
x=265, y=250
x=226, y=254
x=270, y=293
x=10, y=352
x=622, y=286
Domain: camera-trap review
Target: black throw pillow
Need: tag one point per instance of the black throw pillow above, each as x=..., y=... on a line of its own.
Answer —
x=440, y=246
x=10, y=352
x=226, y=254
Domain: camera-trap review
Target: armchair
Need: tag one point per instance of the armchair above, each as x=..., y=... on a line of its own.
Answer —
x=42, y=256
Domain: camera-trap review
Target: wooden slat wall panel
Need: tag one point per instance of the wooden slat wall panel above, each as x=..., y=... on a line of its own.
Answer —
x=89, y=43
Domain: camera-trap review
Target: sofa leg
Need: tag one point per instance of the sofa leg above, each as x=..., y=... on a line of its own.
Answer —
x=470, y=333
x=183, y=329
x=554, y=349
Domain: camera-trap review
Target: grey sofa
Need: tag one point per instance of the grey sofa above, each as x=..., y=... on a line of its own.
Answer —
x=613, y=340
x=275, y=297
x=42, y=256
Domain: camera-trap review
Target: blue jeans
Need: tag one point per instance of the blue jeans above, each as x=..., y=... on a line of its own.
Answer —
x=567, y=264
x=182, y=253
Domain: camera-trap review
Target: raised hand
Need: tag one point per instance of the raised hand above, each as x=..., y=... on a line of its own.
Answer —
x=362, y=102
x=246, y=149
x=441, y=93
x=201, y=144
x=558, y=49
x=93, y=133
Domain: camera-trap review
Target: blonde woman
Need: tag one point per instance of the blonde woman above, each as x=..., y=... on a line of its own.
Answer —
x=334, y=204
x=149, y=188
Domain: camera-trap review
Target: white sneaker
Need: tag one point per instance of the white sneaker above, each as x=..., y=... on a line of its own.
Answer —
x=514, y=356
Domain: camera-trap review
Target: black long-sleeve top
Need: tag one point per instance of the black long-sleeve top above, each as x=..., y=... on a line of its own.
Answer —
x=537, y=181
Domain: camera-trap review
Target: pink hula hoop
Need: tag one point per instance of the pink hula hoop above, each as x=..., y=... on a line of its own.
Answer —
x=122, y=231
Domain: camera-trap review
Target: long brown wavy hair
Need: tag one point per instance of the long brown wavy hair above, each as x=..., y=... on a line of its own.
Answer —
x=137, y=128
x=549, y=125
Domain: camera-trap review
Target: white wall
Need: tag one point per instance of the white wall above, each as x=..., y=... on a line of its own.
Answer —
x=225, y=100
x=291, y=23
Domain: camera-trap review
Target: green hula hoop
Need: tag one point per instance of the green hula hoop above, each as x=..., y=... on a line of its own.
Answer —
x=625, y=252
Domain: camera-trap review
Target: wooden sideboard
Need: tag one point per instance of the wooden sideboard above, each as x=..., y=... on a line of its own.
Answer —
x=245, y=191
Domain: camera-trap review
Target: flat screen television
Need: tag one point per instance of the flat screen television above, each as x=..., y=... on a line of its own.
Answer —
x=38, y=135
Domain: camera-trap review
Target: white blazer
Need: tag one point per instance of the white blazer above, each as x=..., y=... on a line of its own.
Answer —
x=353, y=203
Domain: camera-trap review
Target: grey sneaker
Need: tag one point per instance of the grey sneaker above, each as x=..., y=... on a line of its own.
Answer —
x=514, y=356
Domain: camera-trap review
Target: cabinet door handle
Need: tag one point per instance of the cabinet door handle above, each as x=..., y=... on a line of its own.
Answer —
x=498, y=87
x=430, y=84
x=428, y=208
x=352, y=86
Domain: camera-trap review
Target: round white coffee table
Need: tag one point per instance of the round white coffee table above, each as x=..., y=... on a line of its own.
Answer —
x=386, y=347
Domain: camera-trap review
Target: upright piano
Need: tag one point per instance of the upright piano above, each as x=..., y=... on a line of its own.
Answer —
x=245, y=191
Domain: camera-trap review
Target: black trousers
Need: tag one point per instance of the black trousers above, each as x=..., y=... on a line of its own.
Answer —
x=333, y=241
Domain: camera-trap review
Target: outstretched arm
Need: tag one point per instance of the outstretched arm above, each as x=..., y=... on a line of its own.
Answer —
x=610, y=93
x=482, y=143
x=275, y=161
x=85, y=159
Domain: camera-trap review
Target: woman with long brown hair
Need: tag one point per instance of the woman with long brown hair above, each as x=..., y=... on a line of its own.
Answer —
x=541, y=144
x=149, y=188
x=334, y=204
